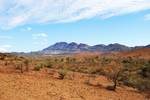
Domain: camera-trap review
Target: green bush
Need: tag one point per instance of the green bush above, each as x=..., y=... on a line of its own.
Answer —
x=26, y=63
x=48, y=64
x=145, y=70
x=62, y=73
x=38, y=67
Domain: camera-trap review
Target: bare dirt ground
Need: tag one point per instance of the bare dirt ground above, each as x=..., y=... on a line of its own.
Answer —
x=39, y=86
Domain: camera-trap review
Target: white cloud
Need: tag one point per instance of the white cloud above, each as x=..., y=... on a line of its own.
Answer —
x=147, y=17
x=3, y=37
x=27, y=29
x=5, y=48
x=14, y=13
x=40, y=35
x=40, y=39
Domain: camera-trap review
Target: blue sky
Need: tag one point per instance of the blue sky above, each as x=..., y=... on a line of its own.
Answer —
x=31, y=25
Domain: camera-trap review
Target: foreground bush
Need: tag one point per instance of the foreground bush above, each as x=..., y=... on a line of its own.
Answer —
x=48, y=64
x=38, y=67
x=62, y=73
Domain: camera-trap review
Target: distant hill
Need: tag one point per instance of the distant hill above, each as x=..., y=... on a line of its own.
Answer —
x=138, y=53
x=69, y=48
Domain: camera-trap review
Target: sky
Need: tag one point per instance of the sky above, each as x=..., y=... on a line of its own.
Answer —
x=32, y=25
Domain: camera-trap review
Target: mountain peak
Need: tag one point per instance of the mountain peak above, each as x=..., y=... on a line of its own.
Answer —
x=73, y=47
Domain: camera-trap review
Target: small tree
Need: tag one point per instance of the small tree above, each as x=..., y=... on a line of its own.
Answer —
x=114, y=73
x=114, y=77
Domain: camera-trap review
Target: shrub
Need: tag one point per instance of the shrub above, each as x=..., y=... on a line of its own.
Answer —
x=2, y=58
x=105, y=60
x=73, y=59
x=139, y=83
x=6, y=63
x=19, y=66
x=145, y=70
x=143, y=85
x=62, y=60
x=99, y=71
x=56, y=60
x=112, y=88
x=62, y=73
x=48, y=64
x=26, y=63
x=68, y=59
x=114, y=77
x=37, y=67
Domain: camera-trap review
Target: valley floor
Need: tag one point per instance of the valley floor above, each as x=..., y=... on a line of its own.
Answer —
x=37, y=86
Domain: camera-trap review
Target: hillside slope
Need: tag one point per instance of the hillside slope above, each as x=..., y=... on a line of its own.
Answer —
x=140, y=53
x=36, y=86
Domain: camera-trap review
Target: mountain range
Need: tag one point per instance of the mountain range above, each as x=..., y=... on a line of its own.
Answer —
x=69, y=48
